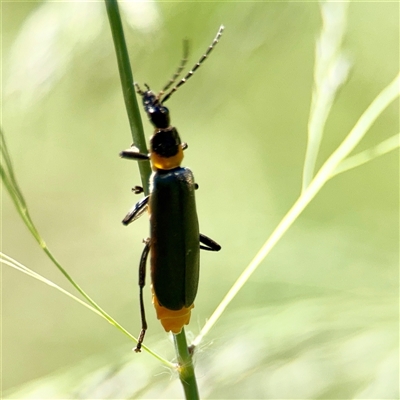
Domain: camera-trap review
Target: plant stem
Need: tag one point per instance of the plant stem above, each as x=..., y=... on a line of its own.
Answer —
x=186, y=368
x=128, y=89
x=368, y=155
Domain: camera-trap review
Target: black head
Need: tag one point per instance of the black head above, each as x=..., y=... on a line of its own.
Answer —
x=157, y=113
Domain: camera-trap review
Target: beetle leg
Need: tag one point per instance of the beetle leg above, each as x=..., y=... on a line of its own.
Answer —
x=133, y=153
x=210, y=245
x=136, y=211
x=142, y=282
x=137, y=189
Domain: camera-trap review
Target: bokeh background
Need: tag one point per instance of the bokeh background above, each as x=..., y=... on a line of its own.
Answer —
x=319, y=319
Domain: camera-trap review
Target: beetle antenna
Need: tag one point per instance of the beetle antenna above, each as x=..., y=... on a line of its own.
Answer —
x=180, y=68
x=196, y=66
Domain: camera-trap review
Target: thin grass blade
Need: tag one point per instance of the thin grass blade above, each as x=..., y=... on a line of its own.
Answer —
x=368, y=155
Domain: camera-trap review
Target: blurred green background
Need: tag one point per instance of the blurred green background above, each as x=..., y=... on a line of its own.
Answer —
x=319, y=319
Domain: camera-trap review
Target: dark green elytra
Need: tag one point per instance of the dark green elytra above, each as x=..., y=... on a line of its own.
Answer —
x=174, y=238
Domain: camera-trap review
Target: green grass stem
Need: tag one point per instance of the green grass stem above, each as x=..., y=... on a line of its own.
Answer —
x=368, y=155
x=186, y=368
x=128, y=88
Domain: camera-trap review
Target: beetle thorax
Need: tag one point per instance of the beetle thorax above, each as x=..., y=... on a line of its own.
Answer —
x=166, y=149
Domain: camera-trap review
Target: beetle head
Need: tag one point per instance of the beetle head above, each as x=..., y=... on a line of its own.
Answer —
x=157, y=113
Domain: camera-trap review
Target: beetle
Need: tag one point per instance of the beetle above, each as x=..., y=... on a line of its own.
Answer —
x=175, y=241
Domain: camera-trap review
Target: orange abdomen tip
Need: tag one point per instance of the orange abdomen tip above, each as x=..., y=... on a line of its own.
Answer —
x=172, y=320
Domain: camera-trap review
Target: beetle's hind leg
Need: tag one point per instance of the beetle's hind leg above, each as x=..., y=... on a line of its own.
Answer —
x=142, y=282
x=209, y=244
